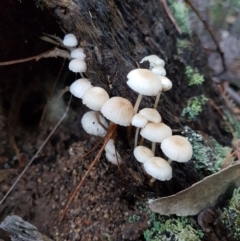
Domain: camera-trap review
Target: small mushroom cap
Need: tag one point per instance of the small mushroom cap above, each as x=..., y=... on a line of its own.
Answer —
x=79, y=87
x=151, y=114
x=139, y=121
x=118, y=110
x=158, y=168
x=78, y=54
x=142, y=153
x=177, y=148
x=113, y=158
x=159, y=70
x=166, y=83
x=91, y=125
x=70, y=40
x=77, y=65
x=95, y=97
x=156, y=132
x=153, y=60
x=144, y=82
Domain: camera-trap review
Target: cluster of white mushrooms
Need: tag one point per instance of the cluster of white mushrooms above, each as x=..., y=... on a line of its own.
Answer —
x=118, y=110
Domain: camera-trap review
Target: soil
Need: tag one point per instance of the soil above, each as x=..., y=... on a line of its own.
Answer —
x=110, y=195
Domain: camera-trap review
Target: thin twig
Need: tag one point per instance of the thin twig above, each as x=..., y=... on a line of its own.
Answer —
x=55, y=52
x=108, y=137
x=218, y=49
x=38, y=151
x=165, y=6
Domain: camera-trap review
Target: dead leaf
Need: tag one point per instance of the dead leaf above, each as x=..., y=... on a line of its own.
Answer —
x=195, y=198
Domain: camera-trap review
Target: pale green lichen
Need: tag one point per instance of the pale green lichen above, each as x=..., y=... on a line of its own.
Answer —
x=208, y=156
x=194, y=107
x=172, y=229
x=180, y=13
x=195, y=78
x=230, y=216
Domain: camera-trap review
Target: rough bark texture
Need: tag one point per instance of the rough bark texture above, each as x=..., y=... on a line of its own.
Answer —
x=115, y=35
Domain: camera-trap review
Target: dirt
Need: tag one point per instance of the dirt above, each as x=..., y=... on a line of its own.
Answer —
x=110, y=196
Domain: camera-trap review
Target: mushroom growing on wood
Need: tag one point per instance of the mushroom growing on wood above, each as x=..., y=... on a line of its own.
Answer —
x=118, y=110
x=144, y=82
x=70, y=40
x=177, y=148
x=79, y=87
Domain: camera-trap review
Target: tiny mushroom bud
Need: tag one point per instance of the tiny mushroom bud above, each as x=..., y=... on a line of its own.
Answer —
x=151, y=115
x=118, y=110
x=77, y=65
x=78, y=54
x=142, y=153
x=79, y=87
x=91, y=126
x=153, y=61
x=177, y=148
x=144, y=82
x=158, y=168
x=110, y=147
x=95, y=97
x=156, y=132
x=70, y=40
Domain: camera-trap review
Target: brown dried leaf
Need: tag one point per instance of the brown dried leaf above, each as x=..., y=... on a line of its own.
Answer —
x=195, y=198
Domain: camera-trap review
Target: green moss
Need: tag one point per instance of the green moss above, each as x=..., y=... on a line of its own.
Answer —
x=208, y=156
x=134, y=218
x=194, y=107
x=172, y=229
x=180, y=13
x=183, y=45
x=230, y=216
x=193, y=75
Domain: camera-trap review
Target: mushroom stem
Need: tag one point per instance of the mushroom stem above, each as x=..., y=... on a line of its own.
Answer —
x=81, y=74
x=141, y=141
x=98, y=113
x=136, y=137
x=153, y=147
x=169, y=161
x=137, y=103
x=157, y=100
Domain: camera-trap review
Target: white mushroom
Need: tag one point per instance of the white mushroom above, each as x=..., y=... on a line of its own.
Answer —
x=70, y=40
x=79, y=87
x=166, y=83
x=78, y=54
x=156, y=132
x=118, y=110
x=95, y=97
x=158, y=168
x=153, y=60
x=159, y=70
x=151, y=115
x=142, y=153
x=91, y=126
x=177, y=148
x=144, y=82
x=77, y=65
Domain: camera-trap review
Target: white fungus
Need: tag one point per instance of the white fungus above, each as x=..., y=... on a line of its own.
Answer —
x=91, y=125
x=77, y=65
x=70, y=40
x=95, y=97
x=79, y=87
x=142, y=153
x=78, y=54
x=158, y=168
